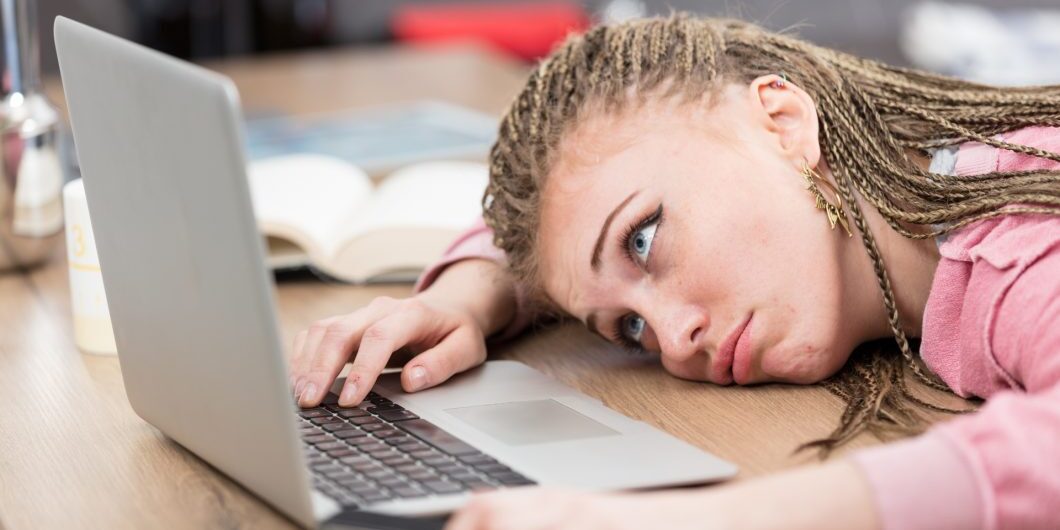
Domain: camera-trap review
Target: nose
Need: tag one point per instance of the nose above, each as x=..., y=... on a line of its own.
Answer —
x=681, y=330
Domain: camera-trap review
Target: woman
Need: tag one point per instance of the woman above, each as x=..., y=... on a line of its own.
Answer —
x=751, y=208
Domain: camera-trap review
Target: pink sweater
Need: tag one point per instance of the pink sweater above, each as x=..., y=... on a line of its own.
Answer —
x=991, y=329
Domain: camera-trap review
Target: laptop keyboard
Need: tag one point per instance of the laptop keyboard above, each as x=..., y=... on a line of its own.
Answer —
x=378, y=451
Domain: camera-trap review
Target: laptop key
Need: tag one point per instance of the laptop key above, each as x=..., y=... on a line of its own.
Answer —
x=436, y=461
x=364, y=420
x=395, y=460
x=355, y=459
x=339, y=453
x=352, y=413
x=317, y=438
x=380, y=474
x=479, y=485
x=335, y=426
x=512, y=479
x=441, y=486
x=431, y=434
x=321, y=420
x=349, y=433
x=375, y=496
x=465, y=477
x=408, y=492
x=353, y=482
x=385, y=407
x=493, y=468
x=371, y=427
x=331, y=445
x=312, y=413
x=411, y=467
x=477, y=459
x=397, y=415
x=424, y=453
x=424, y=474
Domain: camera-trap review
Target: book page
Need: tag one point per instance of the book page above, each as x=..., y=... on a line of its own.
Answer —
x=310, y=197
x=443, y=195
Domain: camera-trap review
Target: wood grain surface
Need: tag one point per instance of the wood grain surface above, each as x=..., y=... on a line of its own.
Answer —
x=73, y=454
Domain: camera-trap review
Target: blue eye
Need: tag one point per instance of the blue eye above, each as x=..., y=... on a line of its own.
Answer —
x=640, y=243
x=633, y=327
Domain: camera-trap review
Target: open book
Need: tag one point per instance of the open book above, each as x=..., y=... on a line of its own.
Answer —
x=326, y=213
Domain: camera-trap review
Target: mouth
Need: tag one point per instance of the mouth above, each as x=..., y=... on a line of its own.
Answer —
x=722, y=369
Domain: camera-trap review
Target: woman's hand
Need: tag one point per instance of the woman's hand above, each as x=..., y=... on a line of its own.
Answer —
x=560, y=509
x=450, y=341
x=445, y=326
x=832, y=495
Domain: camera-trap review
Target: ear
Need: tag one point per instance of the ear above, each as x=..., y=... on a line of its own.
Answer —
x=788, y=115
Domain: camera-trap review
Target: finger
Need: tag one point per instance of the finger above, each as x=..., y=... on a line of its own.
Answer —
x=331, y=351
x=305, y=357
x=299, y=341
x=412, y=325
x=333, y=348
x=458, y=351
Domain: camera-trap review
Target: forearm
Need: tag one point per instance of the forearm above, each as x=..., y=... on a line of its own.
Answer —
x=831, y=495
x=481, y=287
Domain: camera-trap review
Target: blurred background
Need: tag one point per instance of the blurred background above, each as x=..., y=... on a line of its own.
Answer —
x=973, y=38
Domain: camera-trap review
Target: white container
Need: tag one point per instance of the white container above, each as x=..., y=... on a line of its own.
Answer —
x=92, y=328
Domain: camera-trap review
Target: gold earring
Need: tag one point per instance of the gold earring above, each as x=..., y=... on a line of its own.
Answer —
x=835, y=212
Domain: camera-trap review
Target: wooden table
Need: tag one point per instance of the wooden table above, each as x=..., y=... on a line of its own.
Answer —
x=73, y=454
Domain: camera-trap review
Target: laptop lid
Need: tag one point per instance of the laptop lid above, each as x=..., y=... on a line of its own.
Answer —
x=160, y=147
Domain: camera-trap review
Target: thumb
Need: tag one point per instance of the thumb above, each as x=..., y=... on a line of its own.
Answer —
x=460, y=350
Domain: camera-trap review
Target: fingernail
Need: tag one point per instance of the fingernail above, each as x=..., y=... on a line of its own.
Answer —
x=418, y=377
x=299, y=386
x=308, y=394
x=348, y=393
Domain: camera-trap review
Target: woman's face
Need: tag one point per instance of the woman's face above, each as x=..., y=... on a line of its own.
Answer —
x=687, y=230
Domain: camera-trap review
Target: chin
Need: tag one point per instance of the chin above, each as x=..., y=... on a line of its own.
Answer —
x=804, y=364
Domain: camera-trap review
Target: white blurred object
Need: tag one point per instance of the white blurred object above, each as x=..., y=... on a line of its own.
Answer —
x=88, y=300
x=621, y=10
x=38, y=209
x=1011, y=47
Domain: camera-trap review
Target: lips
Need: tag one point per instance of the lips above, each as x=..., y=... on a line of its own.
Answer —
x=722, y=369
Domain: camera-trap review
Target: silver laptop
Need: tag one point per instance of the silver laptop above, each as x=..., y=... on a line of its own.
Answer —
x=161, y=152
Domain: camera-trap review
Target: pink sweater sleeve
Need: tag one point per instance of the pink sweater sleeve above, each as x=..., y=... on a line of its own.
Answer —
x=1000, y=466
x=477, y=242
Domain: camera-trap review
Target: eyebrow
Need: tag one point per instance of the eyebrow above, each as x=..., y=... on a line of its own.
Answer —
x=594, y=263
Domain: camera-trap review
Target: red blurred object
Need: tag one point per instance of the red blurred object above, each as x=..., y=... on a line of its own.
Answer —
x=527, y=30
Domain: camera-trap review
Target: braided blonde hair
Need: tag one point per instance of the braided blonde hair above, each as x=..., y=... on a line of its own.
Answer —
x=870, y=114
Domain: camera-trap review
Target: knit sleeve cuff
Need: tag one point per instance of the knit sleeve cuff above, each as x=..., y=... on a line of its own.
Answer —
x=477, y=242
x=922, y=482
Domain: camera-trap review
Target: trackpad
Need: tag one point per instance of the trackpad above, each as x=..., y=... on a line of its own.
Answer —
x=531, y=422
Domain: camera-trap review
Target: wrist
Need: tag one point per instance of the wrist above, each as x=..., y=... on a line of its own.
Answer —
x=480, y=288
